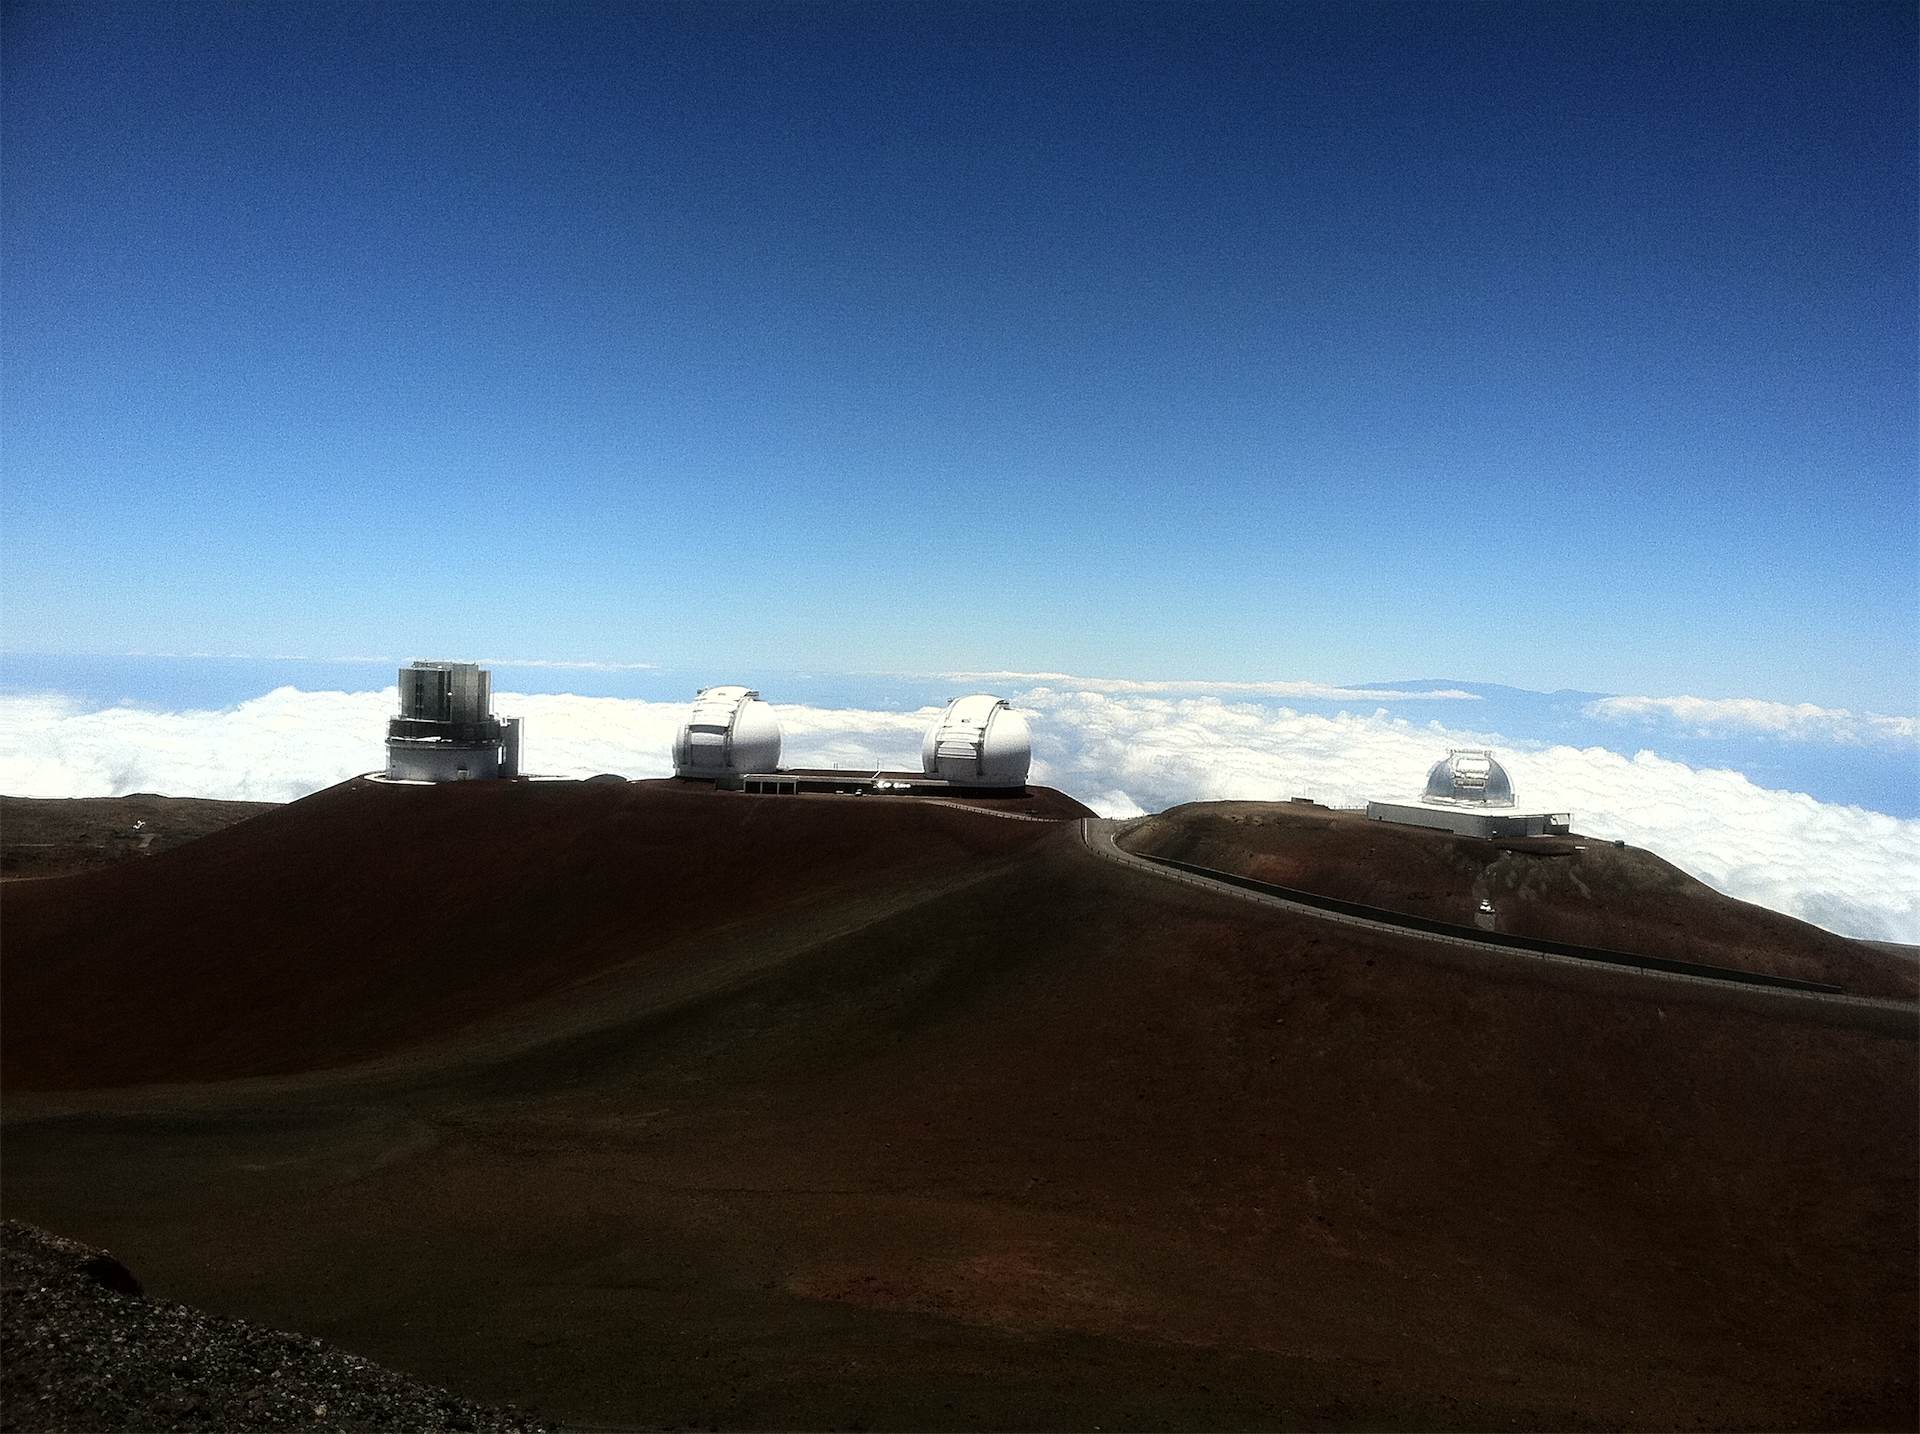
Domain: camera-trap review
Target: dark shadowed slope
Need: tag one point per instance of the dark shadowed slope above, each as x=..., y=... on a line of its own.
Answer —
x=1575, y=889
x=370, y=916
x=1056, y=1144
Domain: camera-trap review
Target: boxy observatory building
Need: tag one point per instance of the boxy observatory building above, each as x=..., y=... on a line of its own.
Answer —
x=446, y=730
x=731, y=738
x=1470, y=794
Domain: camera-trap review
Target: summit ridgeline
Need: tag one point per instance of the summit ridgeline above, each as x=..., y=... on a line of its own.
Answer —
x=655, y=1103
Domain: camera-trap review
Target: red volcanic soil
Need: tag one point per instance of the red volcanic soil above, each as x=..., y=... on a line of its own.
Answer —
x=40, y=837
x=1576, y=889
x=372, y=916
x=968, y=1129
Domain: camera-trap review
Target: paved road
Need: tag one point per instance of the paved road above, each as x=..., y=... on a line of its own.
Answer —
x=1098, y=834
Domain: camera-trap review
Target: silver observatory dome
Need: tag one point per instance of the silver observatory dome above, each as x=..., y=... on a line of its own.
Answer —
x=1469, y=777
x=729, y=732
x=979, y=741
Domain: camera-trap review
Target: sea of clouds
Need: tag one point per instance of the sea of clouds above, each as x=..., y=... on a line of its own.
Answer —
x=1123, y=748
x=1715, y=716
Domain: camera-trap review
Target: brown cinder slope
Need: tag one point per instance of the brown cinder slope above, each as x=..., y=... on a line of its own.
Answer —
x=1574, y=889
x=370, y=916
x=1060, y=1145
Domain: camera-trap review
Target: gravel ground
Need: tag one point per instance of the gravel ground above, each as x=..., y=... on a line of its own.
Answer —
x=82, y=1349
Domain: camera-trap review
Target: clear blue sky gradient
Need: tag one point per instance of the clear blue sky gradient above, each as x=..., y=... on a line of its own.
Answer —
x=1555, y=345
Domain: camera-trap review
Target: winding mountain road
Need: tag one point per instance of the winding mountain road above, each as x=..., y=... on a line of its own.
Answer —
x=1894, y=1016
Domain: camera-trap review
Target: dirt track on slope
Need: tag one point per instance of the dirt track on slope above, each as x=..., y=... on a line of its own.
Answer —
x=1575, y=889
x=369, y=917
x=1015, y=1139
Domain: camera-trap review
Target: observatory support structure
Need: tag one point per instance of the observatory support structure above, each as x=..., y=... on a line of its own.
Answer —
x=1470, y=794
x=446, y=730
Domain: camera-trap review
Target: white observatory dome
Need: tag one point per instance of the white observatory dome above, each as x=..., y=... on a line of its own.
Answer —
x=1469, y=777
x=729, y=731
x=978, y=741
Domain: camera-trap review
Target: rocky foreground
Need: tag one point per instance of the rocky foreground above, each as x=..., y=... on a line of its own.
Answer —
x=82, y=1348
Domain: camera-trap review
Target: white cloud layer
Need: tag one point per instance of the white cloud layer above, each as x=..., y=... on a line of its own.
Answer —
x=288, y=743
x=1845, y=868
x=1725, y=716
x=1842, y=867
x=1297, y=691
x=582, y=664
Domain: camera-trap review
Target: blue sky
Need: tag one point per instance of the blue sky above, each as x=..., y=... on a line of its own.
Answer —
x=1552, y=345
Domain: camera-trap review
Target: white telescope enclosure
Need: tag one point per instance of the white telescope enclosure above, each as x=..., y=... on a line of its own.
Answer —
x=978, y=741
x=446, y=730
x=1469, y=777
x=1470, y=794
x=729, y=732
